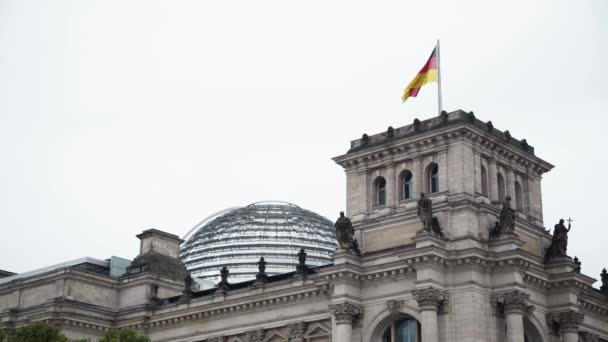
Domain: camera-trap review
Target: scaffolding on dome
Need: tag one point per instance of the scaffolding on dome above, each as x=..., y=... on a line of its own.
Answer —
x=238, y=238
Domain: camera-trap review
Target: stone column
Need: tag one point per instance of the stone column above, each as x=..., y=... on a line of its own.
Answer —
x=568, y=327
x=364, y=203
x=492, y=181
x=391, y=187
x=566, y=324
x=511, y=187
x=477, y=174
x=515, y=306
x=442, y=163
x=429, y=300
x=417, y=178
x=345, y=314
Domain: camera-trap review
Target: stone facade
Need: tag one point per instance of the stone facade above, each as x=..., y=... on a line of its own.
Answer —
x=461, y=285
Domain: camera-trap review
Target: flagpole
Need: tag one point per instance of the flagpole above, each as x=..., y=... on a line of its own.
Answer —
x=439, y=78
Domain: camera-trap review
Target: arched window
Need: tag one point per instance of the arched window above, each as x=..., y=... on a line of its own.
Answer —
x=433, y=174
x=380, y=192
x=501, y=187
x=403, y=330
x=484, y=181
x=519, y=200
x=407, y=188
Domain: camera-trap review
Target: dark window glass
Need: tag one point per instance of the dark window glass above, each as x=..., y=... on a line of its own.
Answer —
x=406, y=330
x=434, y=179
x=380, y=192
x=406, y=186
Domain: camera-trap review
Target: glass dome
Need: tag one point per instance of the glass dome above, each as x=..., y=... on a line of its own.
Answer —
x=237, y=238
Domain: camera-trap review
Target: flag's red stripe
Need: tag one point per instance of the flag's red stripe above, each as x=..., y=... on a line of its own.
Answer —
x=414, y=91
x=430, y=64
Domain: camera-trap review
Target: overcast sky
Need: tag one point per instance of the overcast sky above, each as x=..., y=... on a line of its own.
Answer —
x=119, y=116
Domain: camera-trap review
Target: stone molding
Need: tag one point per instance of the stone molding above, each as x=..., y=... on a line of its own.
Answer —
x=518, y=153
x=564, y=322
x=429, y=298
x=394, y=306
x=592, y=308
x=346, y=313
x=513, y=302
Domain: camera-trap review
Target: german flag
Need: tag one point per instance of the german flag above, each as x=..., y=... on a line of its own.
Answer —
x=427, y=74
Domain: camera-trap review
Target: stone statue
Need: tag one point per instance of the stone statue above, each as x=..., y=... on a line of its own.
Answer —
x=559, y=243
x=188, y=287
x=356, y=247
x=604, y=287
x=301, y=267
x=344, y=231
x=425, y=211
x=262, y=266
x=578, y=264
x=223, y=284
x=262, y=276
x=506, y=223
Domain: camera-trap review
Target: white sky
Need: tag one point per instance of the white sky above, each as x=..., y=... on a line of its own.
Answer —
x=118, y=116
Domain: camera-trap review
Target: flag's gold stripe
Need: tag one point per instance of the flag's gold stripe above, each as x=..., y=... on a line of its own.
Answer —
x=419, y=81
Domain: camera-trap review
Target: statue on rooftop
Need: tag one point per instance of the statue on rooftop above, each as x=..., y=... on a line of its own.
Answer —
x=261, y=270
x=559, y=243
x=604, y=276
x=301, y=267
x=223, y=284
x=188, y=287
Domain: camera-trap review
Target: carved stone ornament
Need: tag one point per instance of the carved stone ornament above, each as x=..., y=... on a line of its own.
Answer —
x=346, y=312
x=364, y=139
x=416, y=125
x=588, y=337
x=394, y=306
x=564, y=322
x=513, y=302
x=296, y=331
x=471, y=117
x=390, y=132
x=429, y=298
x=524, y=145
x=507, y=136
x=489, y=126
x=256, y=336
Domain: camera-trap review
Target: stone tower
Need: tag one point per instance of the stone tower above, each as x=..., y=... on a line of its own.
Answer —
x=466, y=166
x=478, y=272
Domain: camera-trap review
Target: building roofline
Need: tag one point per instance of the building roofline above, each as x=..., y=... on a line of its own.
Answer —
x=51, y=268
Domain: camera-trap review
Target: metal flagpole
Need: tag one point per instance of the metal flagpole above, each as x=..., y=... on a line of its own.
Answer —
x=439, y=78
